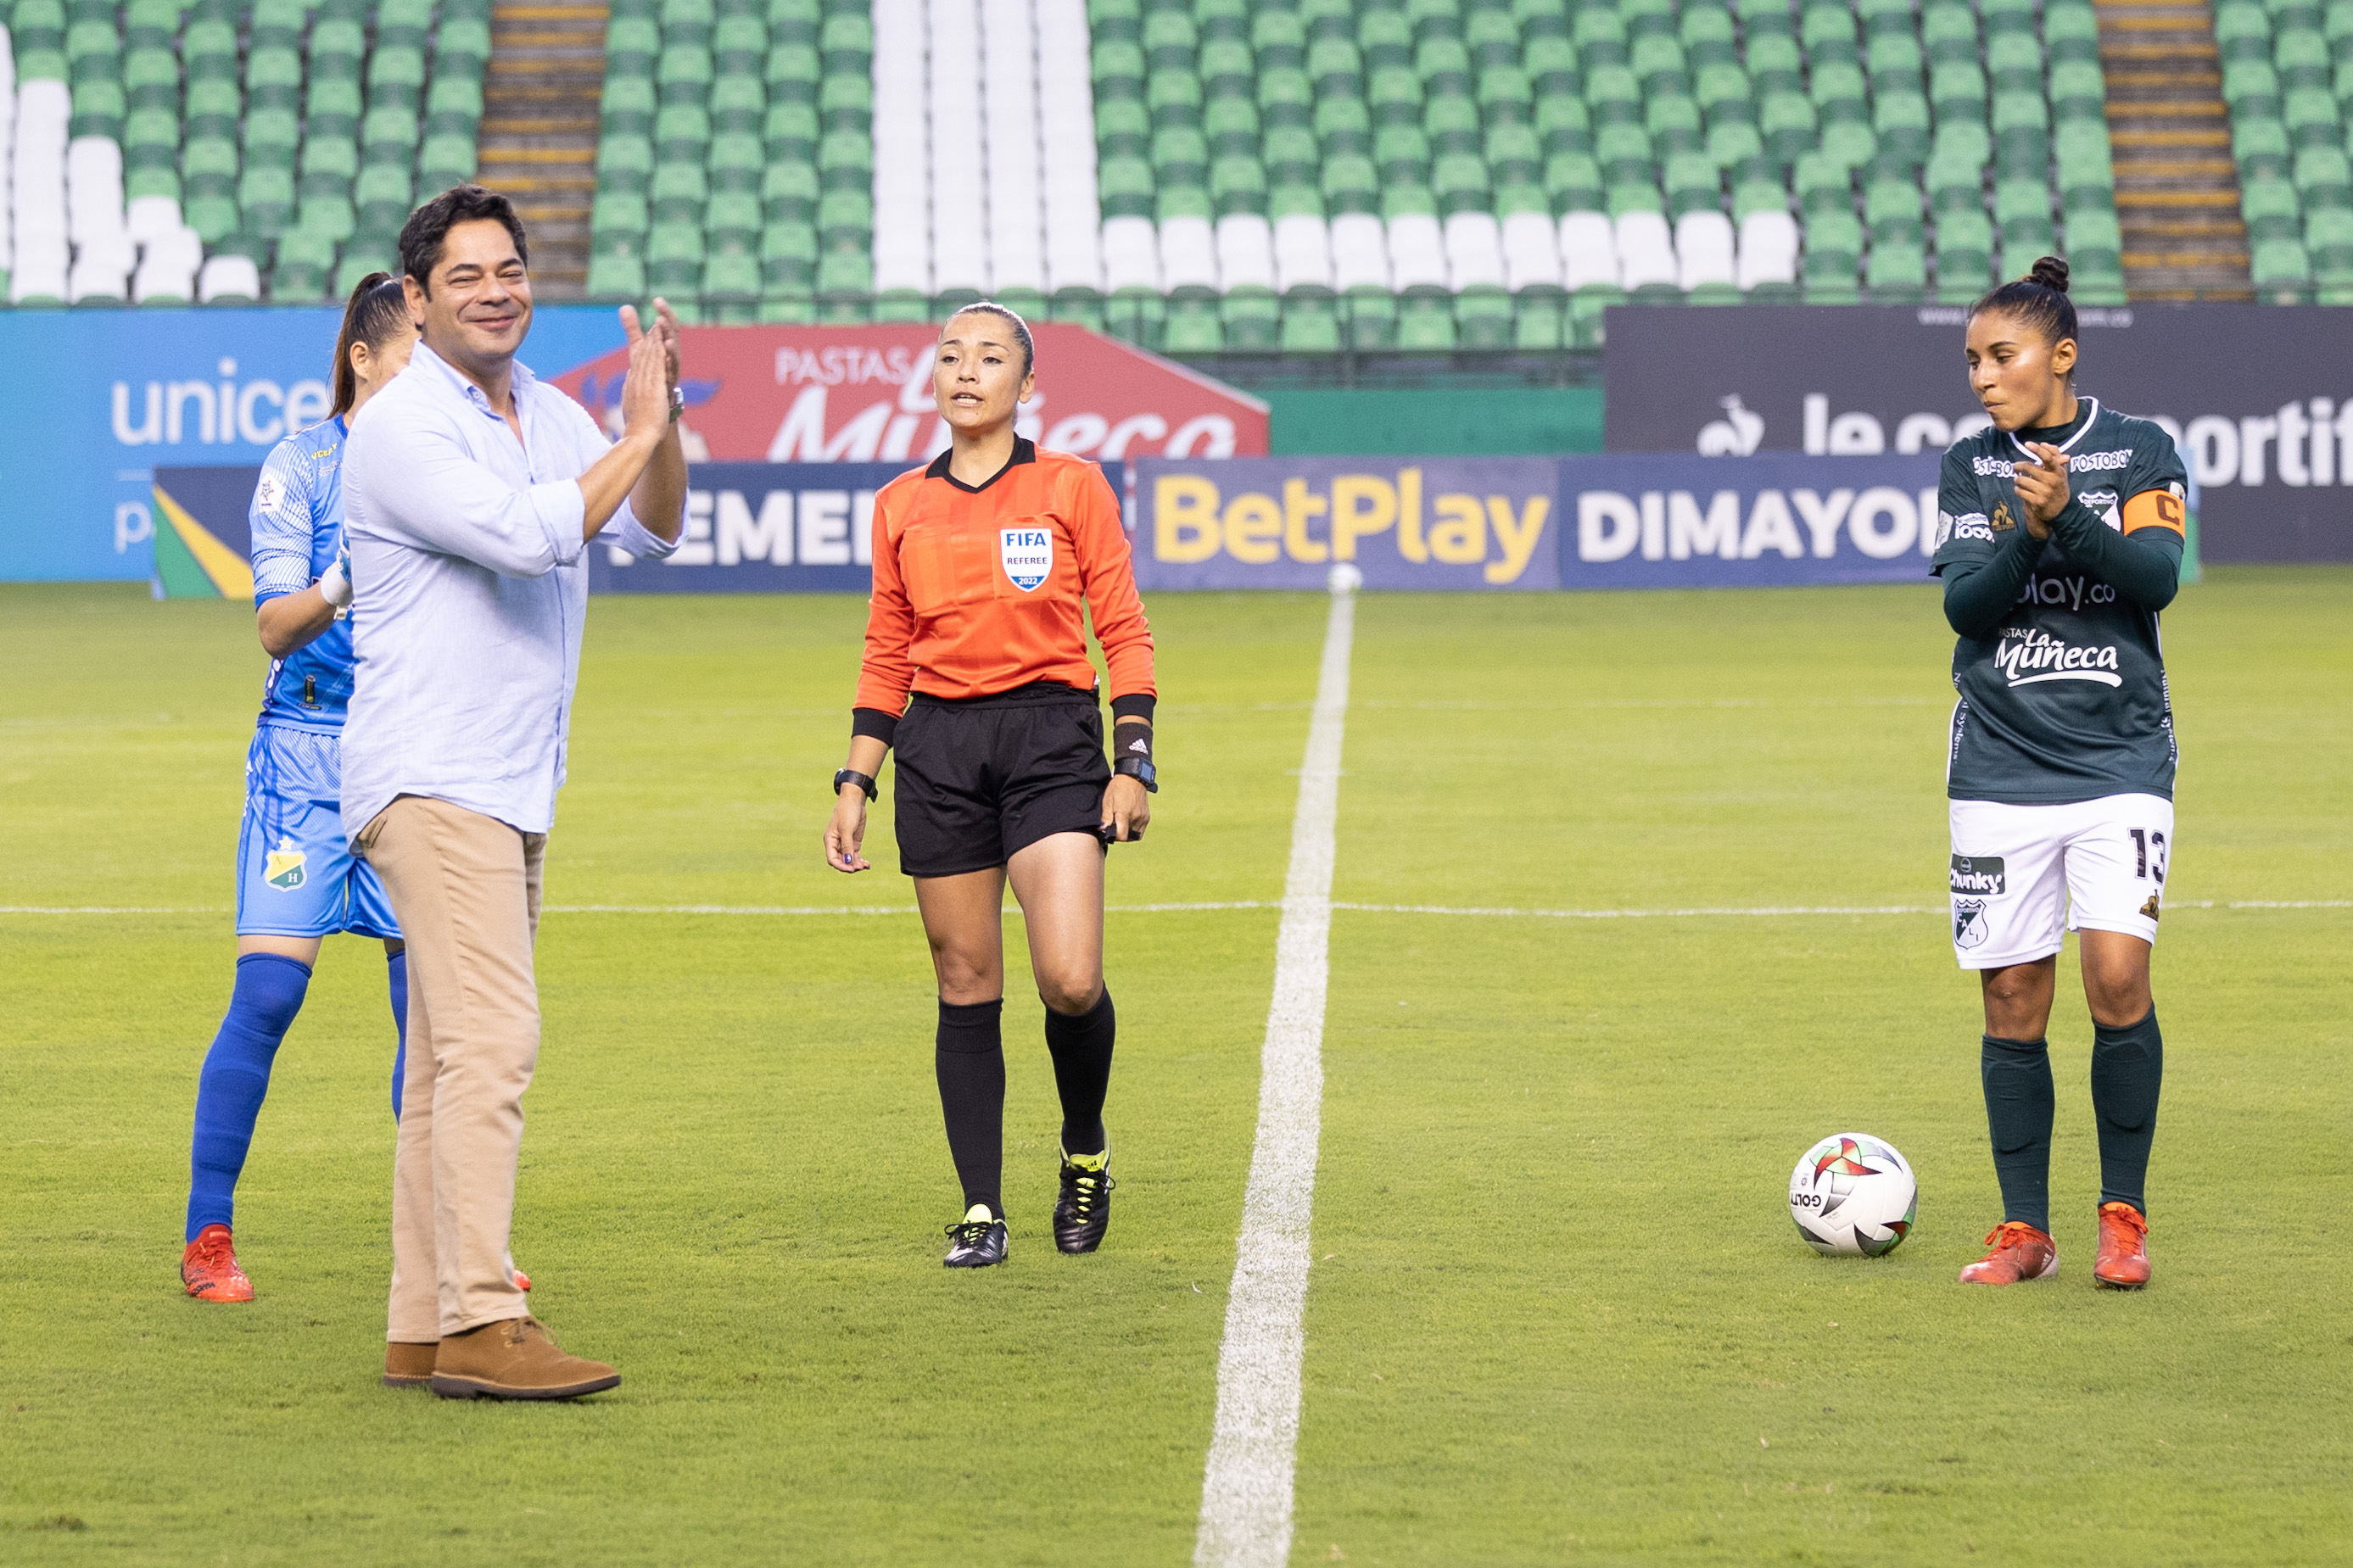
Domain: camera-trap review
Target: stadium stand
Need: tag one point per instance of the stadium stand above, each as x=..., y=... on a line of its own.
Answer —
x=160, y=152
x=1240, y=175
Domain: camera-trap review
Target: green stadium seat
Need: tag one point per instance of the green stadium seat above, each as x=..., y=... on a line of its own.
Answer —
x=305, y=259
x=617, y=278
x=1426, y=320
x=2280, y=271
x=1897, y=271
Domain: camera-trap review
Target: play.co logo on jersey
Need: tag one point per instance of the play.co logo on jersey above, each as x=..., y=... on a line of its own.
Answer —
x=1028, y=555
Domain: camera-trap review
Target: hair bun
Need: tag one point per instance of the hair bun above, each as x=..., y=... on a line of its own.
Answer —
x=2051, y=272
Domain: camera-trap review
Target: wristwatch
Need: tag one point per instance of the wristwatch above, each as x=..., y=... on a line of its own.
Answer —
x=852, y=775
x=1141, y=770
x=677, y=403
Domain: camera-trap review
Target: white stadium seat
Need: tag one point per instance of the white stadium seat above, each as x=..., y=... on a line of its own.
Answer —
x=1646, y=254
x=1245, y=252
x=1588, y=250
x=1769, y=250
x=1188, y=254
x=1416, y=252
x=229, y=278
x=1303, y=252
x=1360, y=252
x=168, y=267
x=39, y=265
x=903, y=175
x=150, y=218
x=1474, y=251
x=959, y=177
x=1066, y=133
x=1530, y=254
x=1130, y=253
x=1703, y=248
x=1017, y=215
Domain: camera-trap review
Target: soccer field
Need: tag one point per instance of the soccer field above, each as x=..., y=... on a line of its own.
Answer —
x=1556, y=1312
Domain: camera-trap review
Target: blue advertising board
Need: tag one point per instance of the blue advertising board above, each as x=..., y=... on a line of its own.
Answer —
x=1637, y=520
x=103, y=398
x=1665, y=520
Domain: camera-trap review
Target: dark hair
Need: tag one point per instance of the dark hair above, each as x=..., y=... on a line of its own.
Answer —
x=427, y=228
x=2039, y=299
x=1021, y=329
x=377, y=309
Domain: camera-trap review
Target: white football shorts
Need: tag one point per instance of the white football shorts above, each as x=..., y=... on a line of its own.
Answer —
x=2023, y=876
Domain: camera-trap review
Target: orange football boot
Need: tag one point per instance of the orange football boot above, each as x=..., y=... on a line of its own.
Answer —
x=2019, y=1252
x=2123, y=1248
x=208, y=1268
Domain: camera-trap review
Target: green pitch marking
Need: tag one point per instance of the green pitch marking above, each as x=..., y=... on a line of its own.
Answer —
x=1557, y=1314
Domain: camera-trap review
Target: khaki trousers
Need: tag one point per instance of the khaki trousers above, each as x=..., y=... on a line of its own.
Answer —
x=465, y=889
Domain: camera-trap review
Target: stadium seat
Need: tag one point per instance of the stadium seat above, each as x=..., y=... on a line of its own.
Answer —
x=1767, y=250
x=1704, y=252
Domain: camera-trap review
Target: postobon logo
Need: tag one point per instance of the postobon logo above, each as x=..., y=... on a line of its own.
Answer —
x=1980, y=875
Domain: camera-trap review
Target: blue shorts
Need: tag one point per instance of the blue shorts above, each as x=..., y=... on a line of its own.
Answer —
x=295, y=874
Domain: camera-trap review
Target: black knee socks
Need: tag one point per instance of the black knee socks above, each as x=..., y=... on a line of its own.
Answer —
x=970, y=1062
x=1082, y=1045
x=2018, y=1101
x=2127, y=1067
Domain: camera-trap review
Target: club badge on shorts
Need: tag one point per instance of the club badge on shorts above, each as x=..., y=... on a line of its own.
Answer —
x=282, y=866
x=1028, y=555
x=1968, y=923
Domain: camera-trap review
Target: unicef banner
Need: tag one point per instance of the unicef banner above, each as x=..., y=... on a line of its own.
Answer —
x=1284, y=523
x=1640, y=521
x=2259, y=397
x=103, y=398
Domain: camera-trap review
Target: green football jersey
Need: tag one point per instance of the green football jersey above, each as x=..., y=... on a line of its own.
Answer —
x=2064, y=698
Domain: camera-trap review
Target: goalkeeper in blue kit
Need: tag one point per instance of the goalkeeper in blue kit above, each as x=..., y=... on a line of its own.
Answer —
x=296, y=882
x=2060, y=537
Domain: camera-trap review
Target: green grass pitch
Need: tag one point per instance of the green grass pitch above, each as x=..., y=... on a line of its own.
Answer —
x=1556, y=1312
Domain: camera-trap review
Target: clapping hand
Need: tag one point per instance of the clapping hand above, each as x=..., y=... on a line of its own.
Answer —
x=653, y=366
x=2042, y=487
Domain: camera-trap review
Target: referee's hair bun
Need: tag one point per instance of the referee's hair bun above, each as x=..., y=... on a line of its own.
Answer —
x=2051, y=272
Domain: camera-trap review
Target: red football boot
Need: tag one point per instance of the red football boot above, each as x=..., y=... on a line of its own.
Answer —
x=523, y=1280
x=208, y=1268
x=2019, y=1252
x=2123, y=1248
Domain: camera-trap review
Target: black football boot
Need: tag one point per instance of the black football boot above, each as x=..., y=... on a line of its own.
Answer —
x=1083, y=1213
x=976, y=1241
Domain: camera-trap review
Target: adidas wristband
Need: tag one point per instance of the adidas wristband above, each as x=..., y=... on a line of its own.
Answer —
x=1132, y=738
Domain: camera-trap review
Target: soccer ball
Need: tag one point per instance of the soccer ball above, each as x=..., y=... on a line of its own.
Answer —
x=1852, y=1193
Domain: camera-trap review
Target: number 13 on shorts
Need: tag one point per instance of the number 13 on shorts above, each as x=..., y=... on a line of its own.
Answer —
x=2023, y=876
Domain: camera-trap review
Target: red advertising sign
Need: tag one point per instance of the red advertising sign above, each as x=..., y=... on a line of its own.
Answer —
x=863, y=394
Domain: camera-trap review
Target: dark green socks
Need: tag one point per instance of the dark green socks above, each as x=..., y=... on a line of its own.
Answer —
x=2127, y=1067
x=2019, y=1102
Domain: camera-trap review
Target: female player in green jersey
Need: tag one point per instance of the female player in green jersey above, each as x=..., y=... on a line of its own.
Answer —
x=2059, y=534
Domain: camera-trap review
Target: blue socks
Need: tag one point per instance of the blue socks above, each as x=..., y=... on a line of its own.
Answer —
x=236, y=1076
x=397, y=967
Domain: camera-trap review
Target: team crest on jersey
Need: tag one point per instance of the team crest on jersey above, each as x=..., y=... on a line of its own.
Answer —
x=282, y=867
x=1028, y=555
x=2002, y=521
x=1968, y=923
x=2151, y=908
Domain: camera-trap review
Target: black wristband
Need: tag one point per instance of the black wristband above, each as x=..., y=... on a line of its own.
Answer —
x=1132, y=738
x=1134, y=705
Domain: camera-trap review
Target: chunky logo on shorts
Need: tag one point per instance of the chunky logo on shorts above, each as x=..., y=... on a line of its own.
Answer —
x=282, y=866
x=1979, y=874
x=1968, y=923
x=1028, y=555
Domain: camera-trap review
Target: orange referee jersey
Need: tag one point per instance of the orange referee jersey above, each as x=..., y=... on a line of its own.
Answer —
x=977, y=589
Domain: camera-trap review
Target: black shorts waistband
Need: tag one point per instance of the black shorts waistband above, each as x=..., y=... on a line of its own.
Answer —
x=1034, y=692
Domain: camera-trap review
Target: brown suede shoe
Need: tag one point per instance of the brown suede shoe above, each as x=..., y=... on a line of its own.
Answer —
x=407, y=1366
x=514, y=1358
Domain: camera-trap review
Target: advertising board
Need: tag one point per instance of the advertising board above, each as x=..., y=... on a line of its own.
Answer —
x=2259, y=397
x=104, y=397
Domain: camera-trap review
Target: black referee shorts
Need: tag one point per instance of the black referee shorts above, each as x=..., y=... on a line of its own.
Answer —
x=982, y=778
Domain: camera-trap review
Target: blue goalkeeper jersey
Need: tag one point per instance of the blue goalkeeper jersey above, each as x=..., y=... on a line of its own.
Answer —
x=296, y=519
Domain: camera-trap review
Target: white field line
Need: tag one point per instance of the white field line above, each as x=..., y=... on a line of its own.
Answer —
x=1498, y=912
x=1246, y=1486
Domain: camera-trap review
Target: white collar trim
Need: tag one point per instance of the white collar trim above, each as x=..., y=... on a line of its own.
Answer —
x=2071, y=440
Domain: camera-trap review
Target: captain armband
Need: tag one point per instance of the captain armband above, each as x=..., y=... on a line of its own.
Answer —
x=2156, y=509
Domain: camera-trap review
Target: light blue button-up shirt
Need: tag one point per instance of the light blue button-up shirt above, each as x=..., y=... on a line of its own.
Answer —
x=469, y=588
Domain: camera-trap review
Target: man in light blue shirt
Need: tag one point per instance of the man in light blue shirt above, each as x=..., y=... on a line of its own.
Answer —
x=470, y=495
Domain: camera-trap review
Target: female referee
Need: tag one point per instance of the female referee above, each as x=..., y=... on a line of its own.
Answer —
x=2059, y=540
x=983, y=563
x=296, y=878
